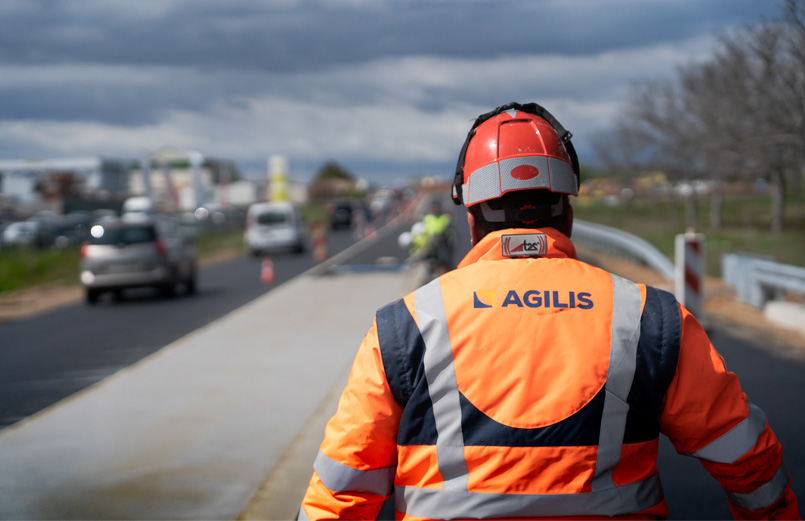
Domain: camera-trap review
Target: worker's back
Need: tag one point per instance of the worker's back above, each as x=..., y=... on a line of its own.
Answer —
x=530, y=337
x=524, y=361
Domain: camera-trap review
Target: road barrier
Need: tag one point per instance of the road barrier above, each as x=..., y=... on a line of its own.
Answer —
x=689, y=273
x=623, y=244
x=758, y=279
x=267, y=271
x=319, y=242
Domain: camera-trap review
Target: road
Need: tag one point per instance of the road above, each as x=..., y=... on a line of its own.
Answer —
x=48, y=357
x=775, y=384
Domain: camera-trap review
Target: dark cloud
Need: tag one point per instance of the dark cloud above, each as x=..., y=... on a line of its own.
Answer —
x=107, y=98
x=133, y=63
x=87, y=103
x=309, y=35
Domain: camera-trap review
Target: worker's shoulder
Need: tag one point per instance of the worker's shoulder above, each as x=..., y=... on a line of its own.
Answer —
x=393, y=308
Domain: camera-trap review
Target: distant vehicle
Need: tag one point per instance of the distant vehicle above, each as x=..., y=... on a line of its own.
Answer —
x=138, y=206
x=19, y=233
x=31, y=234
x=103, y=214
x=382, y=205
x=215, y=217
x=276, y=226
x=150, y=252
x=71, y=229
x=343, y=212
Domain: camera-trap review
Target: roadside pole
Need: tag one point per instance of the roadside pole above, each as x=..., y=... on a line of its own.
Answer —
x=689, y=276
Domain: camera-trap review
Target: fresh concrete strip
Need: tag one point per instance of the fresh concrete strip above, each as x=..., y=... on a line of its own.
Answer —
x=280, y=495
x=193, y=431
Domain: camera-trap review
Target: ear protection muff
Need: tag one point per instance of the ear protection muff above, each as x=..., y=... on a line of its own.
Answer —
x=530, y=108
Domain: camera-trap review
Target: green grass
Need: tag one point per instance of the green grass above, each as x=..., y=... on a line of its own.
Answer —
x=745, y=228
x=21, y=268
x=314, y=213
x=210, y=243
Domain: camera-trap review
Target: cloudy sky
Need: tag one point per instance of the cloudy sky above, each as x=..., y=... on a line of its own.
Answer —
x=387, y=88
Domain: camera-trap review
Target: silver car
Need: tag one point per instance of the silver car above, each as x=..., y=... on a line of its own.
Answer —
x=143, y=252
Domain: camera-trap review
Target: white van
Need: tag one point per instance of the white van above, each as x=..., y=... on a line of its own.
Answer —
x=137, y=208
x=272, y=227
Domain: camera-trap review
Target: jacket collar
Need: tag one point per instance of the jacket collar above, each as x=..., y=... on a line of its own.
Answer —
x=489, y=248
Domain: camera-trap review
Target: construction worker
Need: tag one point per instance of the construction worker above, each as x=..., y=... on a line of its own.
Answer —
x=528, y=384
x=434, y=240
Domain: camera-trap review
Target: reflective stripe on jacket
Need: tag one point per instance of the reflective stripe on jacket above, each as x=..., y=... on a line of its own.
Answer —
x=536, y=387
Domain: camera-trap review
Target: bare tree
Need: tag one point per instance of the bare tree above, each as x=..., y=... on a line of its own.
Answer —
x=739, y=114
x=794, y=80
x=659, y=120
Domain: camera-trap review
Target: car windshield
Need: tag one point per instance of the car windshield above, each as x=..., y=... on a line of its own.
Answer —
x=122, y=234
x=272, y=217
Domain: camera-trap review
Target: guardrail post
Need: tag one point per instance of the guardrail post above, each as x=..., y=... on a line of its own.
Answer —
x=689, y=273
x=740, y=270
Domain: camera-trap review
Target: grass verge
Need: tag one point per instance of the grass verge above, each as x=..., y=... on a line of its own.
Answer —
x=22, y=268
x=745, y=228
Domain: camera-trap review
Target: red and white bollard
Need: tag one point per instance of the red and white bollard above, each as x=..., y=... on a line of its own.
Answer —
x=689, y=279
x=319, y=242
x=267, y=271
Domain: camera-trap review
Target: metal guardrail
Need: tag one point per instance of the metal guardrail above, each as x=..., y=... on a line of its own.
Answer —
x=756, y=279
x=619, y=242
x=759, y=279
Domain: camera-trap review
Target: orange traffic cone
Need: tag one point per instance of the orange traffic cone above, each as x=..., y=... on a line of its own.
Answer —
x=267, y=271
x=319, y=242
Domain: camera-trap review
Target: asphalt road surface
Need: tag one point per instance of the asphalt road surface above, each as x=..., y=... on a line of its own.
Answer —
x=48, y=357
x=776, y=385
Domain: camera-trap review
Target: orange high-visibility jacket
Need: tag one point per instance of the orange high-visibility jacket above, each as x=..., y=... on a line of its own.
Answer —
x=526, y=383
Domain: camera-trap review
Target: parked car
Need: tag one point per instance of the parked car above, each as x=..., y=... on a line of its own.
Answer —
x=71, y=229
x=30, y=234
x=142, y=252
x=272, y=227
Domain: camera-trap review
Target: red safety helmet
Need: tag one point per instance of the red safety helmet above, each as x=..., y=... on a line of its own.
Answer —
x=515, y=147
